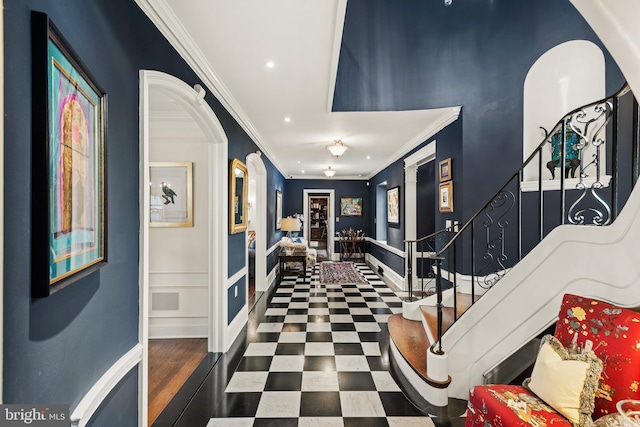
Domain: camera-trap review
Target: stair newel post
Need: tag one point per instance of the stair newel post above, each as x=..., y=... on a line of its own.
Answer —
x=614, y=159
x=439, y=304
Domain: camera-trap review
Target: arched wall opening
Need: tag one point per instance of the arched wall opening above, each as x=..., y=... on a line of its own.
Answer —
x=215, y=165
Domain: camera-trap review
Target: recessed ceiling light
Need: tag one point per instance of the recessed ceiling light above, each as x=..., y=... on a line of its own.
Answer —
x=287, y=119
x=368, y=157
x=270, y=64
x=302, y=171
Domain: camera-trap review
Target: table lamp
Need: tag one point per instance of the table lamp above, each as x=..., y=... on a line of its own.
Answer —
x=290, y=224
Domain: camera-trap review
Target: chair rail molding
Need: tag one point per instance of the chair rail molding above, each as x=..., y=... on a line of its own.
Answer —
x=82, y=413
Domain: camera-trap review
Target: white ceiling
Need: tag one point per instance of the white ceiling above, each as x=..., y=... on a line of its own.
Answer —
x=228, y=43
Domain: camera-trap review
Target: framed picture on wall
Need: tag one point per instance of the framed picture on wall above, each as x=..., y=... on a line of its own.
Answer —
x=278, y=209
x=445, y=170
x=171, y=194
x=393, y=205
x=69, y=116
x=446, y=196
x=351, y=206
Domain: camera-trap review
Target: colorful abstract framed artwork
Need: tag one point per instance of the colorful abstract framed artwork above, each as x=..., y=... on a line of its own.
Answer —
x=68, y=163
x=393, y=206
x=171, y=194
x=351, y=206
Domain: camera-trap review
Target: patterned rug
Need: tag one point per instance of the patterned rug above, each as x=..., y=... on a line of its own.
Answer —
x=340, y=272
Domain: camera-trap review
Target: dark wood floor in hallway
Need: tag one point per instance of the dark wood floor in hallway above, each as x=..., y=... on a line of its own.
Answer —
x=171, y=362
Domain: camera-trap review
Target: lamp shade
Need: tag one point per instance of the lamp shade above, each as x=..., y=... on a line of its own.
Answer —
x=290, y=224
x=337, y=148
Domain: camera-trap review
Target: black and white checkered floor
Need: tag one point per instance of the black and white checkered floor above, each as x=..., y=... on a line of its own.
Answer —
x=315, y=360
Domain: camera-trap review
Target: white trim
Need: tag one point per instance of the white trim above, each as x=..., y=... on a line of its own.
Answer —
x=82, y=413
x=411, y=164
x=236, y=277
x=341, y=12
x=569, y=183
x=273, y=248
x=432, y=129
x=384, y=245
x=201, y=113
x=1, y=192
x=254, y=162
x=172, y=29
x=397, y=280
x=331, y=216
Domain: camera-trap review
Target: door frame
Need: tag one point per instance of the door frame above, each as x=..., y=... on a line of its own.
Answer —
x=192, y=99
x=331, y=217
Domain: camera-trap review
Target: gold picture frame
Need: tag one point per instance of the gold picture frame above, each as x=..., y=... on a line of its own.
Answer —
x=445, y=170
x=171, y=194
x=238, y=196
x=445, y=196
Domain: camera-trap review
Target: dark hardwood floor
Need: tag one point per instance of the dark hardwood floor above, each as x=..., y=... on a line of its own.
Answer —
x=171, y=362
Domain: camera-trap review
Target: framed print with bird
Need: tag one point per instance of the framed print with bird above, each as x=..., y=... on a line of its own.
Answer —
x=171, y=194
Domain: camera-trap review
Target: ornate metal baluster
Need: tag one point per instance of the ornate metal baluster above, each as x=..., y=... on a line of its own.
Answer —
x=589, y=126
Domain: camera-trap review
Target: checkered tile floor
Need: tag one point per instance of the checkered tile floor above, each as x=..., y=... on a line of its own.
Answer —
x=315, y=360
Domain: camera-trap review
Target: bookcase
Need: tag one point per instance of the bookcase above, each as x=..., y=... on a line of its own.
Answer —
x=318, y=222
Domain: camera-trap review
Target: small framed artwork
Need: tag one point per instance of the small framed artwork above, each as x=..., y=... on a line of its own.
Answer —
x=171, y=198
x=446, y=196
x=278, y=209
x=351, y=206
x=393, y=205
x=445, y=170
x=69, y=116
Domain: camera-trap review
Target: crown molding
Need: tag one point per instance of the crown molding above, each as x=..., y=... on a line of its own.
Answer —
x=170, y=27
x=452, y=115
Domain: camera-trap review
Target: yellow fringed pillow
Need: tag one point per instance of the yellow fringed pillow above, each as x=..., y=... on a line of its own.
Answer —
x=566, y=381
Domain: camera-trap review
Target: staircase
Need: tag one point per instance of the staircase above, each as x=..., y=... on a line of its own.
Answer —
x=483, y=292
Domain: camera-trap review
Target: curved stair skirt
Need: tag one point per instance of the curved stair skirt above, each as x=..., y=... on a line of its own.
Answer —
x=604, y=265
x=422, y=393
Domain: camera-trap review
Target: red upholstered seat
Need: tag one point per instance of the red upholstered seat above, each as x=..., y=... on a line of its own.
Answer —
x=488, y=407
x=615, y=334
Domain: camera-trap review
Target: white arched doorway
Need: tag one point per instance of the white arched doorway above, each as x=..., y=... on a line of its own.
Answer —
x=565, y=77
x=258, y=172
x=191, y=100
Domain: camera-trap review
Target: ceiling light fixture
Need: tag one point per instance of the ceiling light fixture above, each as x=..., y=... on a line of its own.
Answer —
x=329, y=172
x=337, y=148
x=287, y=119
x=270, y=64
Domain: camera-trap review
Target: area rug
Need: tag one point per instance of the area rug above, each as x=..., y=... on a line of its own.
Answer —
x=340, y=272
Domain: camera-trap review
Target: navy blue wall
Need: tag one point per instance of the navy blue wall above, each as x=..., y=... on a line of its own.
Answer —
x=293, y=200
x=56, y=348
x=236, y=302
x=414, y=54
x=448, y=145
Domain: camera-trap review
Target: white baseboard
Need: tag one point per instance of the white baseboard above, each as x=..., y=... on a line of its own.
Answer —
x=82, y=413
x=395, y=278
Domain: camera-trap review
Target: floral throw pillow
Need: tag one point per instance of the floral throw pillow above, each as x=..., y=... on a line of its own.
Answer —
x=614, y=333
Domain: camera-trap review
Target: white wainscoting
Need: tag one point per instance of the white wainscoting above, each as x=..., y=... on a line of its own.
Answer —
x=178, y=305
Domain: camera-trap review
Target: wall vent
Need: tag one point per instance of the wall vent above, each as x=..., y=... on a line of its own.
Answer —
x=165, y=301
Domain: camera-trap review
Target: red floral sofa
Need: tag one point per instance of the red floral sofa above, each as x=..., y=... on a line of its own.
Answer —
x=613, y=334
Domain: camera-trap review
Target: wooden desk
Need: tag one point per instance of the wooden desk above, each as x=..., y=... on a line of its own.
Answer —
x=293, y=255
